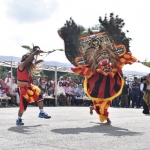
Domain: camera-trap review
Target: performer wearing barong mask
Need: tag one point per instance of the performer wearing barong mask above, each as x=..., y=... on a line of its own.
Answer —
x=99, y=56
x=28, y=92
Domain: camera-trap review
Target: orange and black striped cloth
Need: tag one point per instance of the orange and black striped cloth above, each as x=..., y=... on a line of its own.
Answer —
x=101, y=87
x=102, y=90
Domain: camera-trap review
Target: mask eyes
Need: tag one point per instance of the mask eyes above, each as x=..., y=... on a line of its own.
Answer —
x=95, y=43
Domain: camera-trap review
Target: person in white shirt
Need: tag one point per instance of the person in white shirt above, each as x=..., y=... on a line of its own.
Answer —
x=8, y=78
x=80, y=94
x=53, y=82
x=13, y=90
x=61, y=79
x=3, y=88
x=61, y=94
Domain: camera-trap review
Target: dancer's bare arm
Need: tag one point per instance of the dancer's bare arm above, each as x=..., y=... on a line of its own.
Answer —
x=28, y=60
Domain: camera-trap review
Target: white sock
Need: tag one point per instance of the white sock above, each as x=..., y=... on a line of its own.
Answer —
x=41, y=111
x=19, y=117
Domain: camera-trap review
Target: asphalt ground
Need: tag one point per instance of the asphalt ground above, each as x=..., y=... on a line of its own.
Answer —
x=73, y=128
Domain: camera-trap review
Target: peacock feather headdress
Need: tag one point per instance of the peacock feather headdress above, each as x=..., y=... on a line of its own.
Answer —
x=78, y=40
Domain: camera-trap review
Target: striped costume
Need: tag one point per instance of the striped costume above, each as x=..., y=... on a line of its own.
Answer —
x=102, y=87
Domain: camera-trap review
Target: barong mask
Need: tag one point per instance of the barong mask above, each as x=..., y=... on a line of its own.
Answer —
x=96, y=49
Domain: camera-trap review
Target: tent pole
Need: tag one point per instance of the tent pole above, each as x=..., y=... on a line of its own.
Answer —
x=11, y=77
x=55, y=86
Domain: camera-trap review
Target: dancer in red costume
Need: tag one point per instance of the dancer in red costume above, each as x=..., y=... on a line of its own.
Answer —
x=29, y=93
x=99, y=56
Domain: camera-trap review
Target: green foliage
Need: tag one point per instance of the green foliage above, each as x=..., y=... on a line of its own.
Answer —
x=26, y=47
x=146, y=64
x=4, y=71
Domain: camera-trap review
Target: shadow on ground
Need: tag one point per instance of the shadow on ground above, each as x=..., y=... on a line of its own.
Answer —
x=108, y=130
x=23, y=129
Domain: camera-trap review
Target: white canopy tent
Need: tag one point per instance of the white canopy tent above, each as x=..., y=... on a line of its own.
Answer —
x=136, y=69
x=9, y=61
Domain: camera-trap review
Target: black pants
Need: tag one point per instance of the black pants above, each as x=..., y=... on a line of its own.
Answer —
x=145, y=107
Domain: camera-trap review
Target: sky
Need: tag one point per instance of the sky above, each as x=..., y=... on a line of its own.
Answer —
x=24, y=22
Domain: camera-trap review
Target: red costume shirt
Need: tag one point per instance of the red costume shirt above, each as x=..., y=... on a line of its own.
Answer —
x=23, y=75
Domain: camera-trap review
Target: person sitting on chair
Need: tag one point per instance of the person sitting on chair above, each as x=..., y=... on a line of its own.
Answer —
x=80, y=94
x=13, y=92
x=61, y=94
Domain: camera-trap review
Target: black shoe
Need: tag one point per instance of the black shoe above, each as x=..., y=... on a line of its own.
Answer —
x=144, y=112
x=19, y=122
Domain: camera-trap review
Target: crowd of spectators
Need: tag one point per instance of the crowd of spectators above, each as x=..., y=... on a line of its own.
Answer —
x=132, y=94
x=8, y=87
x=70, y=91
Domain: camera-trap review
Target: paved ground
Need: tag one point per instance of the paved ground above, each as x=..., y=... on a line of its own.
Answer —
x=72, y=128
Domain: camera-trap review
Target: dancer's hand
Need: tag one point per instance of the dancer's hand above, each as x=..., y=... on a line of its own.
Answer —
x=37, y=52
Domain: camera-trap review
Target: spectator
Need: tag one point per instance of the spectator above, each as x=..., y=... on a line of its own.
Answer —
x=76, y=81
x=50, y=92
x=75, y=90
x=12, y=91
x=61, y=94
x=46, y=79
x=80, y=94
x=8, y=78
x=129, y=96
x=53, y=81
x=124, y=96
x=82, y=81
x=3, y=88
x=115, y=102
x=35, y=82
x=69, y=79
x=39, y=79
x=66, y=80
x=142, y=89
x=43, y=88
x=61, y=80
x=72, y=93
x=50, y=88
x=67, y=90
x=135, y=93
